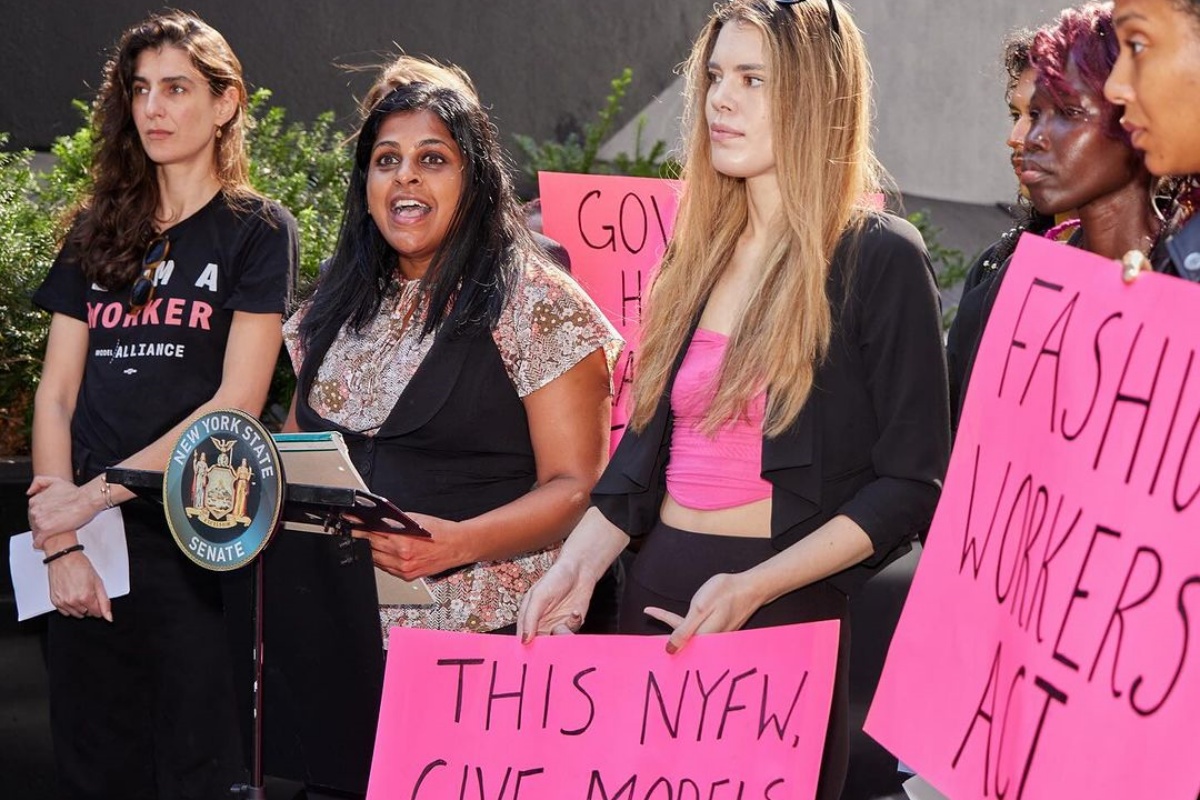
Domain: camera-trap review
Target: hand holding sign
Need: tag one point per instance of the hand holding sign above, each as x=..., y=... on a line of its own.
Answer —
x=723, y=603
x=599, y=718
x=1045, y=650
x=557, y=603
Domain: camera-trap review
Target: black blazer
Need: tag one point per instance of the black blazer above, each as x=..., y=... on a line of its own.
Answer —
x=873, y=440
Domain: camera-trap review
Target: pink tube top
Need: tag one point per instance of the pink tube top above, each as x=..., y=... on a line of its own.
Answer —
x=725, y=470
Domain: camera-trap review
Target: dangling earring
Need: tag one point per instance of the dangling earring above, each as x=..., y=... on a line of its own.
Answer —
x=1189, y=197
x=218, y=131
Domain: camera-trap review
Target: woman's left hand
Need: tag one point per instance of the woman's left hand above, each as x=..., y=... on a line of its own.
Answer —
x=57, y=505
x=412, y=557
x=723, y=603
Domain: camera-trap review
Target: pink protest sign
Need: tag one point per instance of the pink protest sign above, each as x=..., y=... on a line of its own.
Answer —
x=735, y=715
x=1046, y=650
x=616, y=229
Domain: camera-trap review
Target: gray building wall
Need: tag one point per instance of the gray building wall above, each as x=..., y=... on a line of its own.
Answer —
x=941, y=120
x=941, y=116
x=543, y=65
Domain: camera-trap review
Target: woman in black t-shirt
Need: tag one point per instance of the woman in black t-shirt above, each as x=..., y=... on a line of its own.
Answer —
x=167, y=299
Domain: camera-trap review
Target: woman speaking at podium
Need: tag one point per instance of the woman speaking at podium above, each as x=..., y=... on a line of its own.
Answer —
x=469, y=376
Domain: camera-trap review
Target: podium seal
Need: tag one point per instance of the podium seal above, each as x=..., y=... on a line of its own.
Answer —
x=223, y=489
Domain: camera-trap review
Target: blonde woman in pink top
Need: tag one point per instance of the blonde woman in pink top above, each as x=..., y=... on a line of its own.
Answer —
x=790, y=427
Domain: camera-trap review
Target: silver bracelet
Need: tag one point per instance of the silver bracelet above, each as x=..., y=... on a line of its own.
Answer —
x=105, y=491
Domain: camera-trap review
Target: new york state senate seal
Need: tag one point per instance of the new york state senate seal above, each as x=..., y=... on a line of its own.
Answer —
x=223, y=489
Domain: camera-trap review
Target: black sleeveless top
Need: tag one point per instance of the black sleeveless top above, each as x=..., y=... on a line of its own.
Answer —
x=455, y=445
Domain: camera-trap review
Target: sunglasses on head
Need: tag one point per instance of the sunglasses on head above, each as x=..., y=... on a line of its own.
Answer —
x=833, y=17
x=142, y=291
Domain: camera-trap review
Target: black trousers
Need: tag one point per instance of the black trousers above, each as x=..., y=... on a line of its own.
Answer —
x=143, y=708
x=673, y=564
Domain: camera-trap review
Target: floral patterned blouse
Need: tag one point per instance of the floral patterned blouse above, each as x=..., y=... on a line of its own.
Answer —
x=548, y=326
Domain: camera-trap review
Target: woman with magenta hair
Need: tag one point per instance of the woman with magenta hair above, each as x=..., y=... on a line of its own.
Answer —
x=1154, y=81
x=1077, y=156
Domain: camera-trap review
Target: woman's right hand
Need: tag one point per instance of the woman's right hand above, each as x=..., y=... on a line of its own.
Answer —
x=76, y=590
x=57, y=506
x=557, y=603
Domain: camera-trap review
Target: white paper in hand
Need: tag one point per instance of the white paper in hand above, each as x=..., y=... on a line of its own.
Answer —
x=917, y=788
x=103, y=540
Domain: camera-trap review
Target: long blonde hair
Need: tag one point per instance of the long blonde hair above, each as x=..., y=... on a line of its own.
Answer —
x=819, y=85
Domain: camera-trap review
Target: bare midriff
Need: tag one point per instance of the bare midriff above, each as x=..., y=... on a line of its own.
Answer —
x=751, y=519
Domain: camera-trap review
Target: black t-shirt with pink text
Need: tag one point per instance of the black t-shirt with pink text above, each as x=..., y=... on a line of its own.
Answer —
x=148, y=371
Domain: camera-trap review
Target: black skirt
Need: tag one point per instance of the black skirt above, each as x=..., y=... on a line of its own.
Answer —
x=672, y=564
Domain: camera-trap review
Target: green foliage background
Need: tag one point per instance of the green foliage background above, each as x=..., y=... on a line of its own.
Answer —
x=33, y=216
x=578, y=154
x=25, y=232
x=302, y=165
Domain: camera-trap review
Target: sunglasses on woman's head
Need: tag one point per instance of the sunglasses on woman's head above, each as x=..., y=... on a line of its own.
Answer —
x=833, y=17
x=142, y=291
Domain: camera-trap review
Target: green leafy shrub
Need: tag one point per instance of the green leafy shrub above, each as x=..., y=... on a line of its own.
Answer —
x=652, y=163
x=949, y=263
x=579, y=154
x=306, y=168
x=29, y=235
x=303, y=166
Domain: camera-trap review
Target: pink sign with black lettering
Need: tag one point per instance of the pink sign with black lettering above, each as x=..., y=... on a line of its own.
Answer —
x=616, y=229
x=732, y=715
x=1048, y=649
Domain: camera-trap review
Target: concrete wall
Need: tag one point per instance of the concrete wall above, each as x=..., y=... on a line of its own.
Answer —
x=941, y=114
x=544, y=65
x=941, y=119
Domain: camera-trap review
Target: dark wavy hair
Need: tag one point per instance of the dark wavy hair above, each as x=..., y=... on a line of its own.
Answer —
x=473, y=270
x=1016, y=58
x=1082, y=36
x=116, y=220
